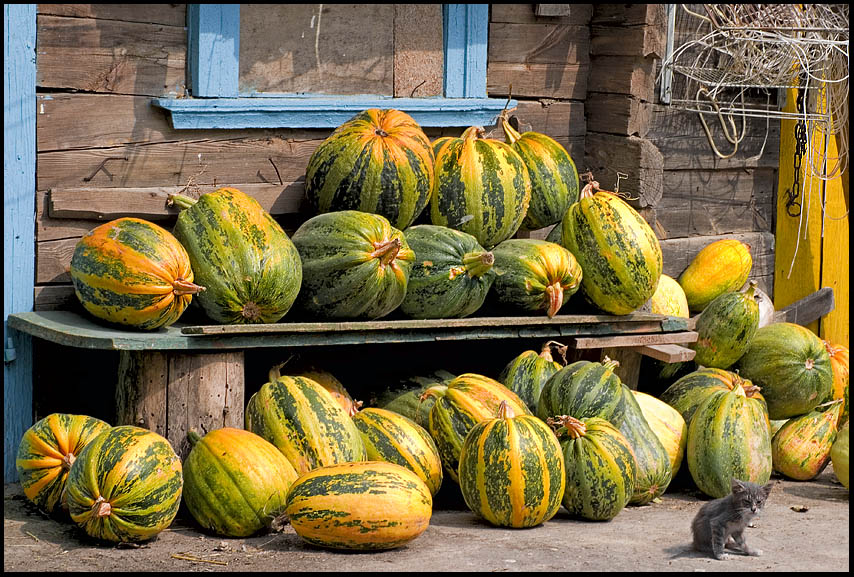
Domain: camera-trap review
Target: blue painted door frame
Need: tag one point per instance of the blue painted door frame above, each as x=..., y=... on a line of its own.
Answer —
x=19, y=197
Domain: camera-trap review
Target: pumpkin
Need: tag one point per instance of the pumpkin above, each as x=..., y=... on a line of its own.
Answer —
x=839, y=455
x=600, y=467
x=132, y=272
x=728, y=437
x=250, y=268
x=654, y=471
x=393, y=438
x=669, y=298
x=365, y=506
x=791, y=366
x=527, y=373
x=534, y=275
x=583, y=389
x=326, y=380
x=451, y=275
x=554, y=178
x=689, y=391
x=841, y=376
x=667, y=424
x=616, y=248
x=720, y=267
x=305, y=423
x=46, y=452
x=379, y=161
x=125, y=485
x=481, y=187
x=800, y=450
x=458, y=406
x=235, y=482
x=725, y=329
x=511, y=470
x=355, y=265
x=408, y=401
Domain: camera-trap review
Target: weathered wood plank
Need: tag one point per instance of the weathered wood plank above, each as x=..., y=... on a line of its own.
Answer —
x=667, y=353
x=111, y=56
x=168, y=14
x=623, y=75
x=808, y=309
x=619, y=114
x=627, y=14
x=632, y=340
x=141, y=392
x=537, y=80
x=418, y=51
x=553, y=9
x=636, y=158
x=638, y=41
x=55, y=298
x=579, y=15
x=556, y=119
x=539, y=43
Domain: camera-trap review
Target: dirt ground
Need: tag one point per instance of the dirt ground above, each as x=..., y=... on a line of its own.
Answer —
x=804, y=528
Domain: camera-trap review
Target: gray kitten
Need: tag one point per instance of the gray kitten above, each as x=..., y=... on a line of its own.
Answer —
x=720, y=523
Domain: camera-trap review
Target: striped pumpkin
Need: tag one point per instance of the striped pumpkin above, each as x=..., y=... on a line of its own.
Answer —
x=841, y=376
x=616, y=248
x=654, y=472
x=791, y=366
x=720, y=267
x=584, y=389
x=368, y=505
x=46, y=452
x=535, y=275
x=250, y=268
x=800, y=450
x=235, y=482
x=451, y=276
x=305, y=422
x=355, y=265
x=689, y=392
x=482, y=187
x=669, y=298
x=379, y=161
x=667, y=424
x=839, y=455
x=728, y=437
x=554, y=178
x=394, y=438
x=326, y=380
x=527, y=373
x=725, y=328
x=600, y=467
x=459, y=406
x=125, y=485
x=132, y=272
x=511, y=470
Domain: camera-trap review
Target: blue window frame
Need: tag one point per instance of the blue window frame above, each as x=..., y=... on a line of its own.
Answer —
x=213, y=55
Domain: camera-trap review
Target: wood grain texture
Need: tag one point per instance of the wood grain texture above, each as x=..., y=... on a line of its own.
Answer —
x=619, y=114
x=168, y=14
x=537, y=80
x=541, y=43
x=623, y=75
x=667, y=353
x=636, y=158
x=418, y=52
x=579, y=15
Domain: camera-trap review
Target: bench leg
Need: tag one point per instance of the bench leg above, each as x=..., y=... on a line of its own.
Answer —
x=171, y=392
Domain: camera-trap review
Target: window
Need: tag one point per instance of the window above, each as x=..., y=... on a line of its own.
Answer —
x=219, y=100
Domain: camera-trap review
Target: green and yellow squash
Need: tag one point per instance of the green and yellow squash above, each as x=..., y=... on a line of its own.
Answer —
x=839, y=455
x=554, y=178
x=46, y=452
x=249, y=267
x=527, y=373
x=235, y=482
x=355, y=265
x=511, y=470
x=600, y=467
x=379, y=161
x=720, y=267
x=725, y=328
x=839, y=365
x=616, y=248
x=800, y=450
x=125, y=485
x=132, y=272
x=482, y=187
x=654, y=472
x=791, y=366
x=362, y=506
x=451, y=275
x=326, y=380
x=669, y=298
x=534, y=275
x=583, y=389
x=667, y=424
x=305, y=423
x=391, y=437
x=689, y=392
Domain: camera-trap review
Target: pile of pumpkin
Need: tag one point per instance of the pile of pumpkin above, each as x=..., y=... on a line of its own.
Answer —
x=361, y=256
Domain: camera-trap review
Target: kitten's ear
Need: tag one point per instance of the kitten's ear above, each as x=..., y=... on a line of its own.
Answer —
x=737, y=486
x=766, y=489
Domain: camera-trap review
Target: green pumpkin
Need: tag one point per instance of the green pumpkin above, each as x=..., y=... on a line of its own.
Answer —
x=583, y=389
x=527, y=373
x=800, y=449
x=725, y=328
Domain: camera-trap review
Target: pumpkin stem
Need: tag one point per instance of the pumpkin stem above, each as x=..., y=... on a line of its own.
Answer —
x=354, y=408
x=505, y=411
x=473, y=133
x=180, y=201
x=380, y=132
x=185, y=287
x=610, y=364
x=478, y=264
x=511, y=135
x=251, y=311
x=750, y=390
x=276, y=370
x=102, y=507
x=386, y=251
x=569, y=425
x=555, y=293
x=193, y=437
x=750, y=293
x=546, y=352
x=809, y=364
x=68, y=460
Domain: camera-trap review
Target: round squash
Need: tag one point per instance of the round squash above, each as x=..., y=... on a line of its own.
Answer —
x=355, y=265
x=791, y=366
x=839, y=455
x=720, y=267
x=305, y=423
x=379, y=161
x=326, y=380
x=482, y=187
x=554, y=178
x=511, y=470
x=669, y=298
x=534, y=275
x=132, y=272
x=667, y=424
x=800, y=450
x=616, y=248
x=841, y=376
x=125, y=485
x=725, y=329
x=250, y=268
x=600, y=467
x=526, y=374
x=46, y=452
x=583, y=389
x=451, y=275
x=393, y=438
x=689, y=392
x=363, y=506
x=235, y=482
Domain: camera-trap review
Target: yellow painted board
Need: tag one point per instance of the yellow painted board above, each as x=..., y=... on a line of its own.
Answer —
x=835, y=265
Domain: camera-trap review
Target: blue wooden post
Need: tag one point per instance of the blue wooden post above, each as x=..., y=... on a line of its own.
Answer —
x=214, y=49
x=19, y=199
x=466, y=36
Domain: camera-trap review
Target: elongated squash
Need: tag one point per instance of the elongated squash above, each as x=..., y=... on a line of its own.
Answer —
x=800, y=450
x=667, y=424
x=527, y=373
x=839, y=365
x=720, y=267
x=725, y=328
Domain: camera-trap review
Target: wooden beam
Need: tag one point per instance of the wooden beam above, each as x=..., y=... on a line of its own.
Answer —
x=632, y=340
x=637, y=158
x=667, y=353
x=808, y=309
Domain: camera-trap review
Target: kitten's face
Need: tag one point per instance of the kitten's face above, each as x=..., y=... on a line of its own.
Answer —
x=749, y=498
